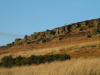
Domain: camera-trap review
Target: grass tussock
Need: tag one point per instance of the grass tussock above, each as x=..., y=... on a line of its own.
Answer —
x=79, y=66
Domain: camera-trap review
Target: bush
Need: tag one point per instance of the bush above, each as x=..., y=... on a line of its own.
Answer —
x=20, y=61
x=8, y=61
x=0, y=64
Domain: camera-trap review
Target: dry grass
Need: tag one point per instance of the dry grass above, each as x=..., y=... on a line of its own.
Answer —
x=74, y=49
x=79, y=66
x=70, y=46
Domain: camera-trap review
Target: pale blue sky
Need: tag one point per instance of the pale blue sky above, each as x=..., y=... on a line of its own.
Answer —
x=20, y=17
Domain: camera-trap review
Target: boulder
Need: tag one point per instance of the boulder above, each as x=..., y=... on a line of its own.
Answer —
x=57, y=38
x=18, y=41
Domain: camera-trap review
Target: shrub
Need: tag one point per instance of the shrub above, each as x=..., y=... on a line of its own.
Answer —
x=8, y=61
x=20, y=61
x=0, y=64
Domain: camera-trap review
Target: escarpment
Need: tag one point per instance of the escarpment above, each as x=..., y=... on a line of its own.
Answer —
x=76, y=29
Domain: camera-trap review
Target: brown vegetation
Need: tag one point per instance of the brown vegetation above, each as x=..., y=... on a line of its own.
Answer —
x=79, y=40
x=79, y=66
x=76, y=47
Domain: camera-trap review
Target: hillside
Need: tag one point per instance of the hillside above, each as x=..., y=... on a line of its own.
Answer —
x=75, y=39
x=88, y=27
x=73, y=49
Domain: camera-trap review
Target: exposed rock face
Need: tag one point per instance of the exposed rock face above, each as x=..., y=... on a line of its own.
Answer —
x=98, y=26
x=18, y=41
x=57, y=33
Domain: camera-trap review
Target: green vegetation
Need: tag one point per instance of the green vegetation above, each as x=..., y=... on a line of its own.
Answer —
x=9, y=61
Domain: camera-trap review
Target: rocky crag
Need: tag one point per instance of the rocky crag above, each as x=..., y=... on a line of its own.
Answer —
x=88, y=27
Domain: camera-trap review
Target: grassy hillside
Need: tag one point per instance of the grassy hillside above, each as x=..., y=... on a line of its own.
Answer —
x=85, y=31
x=79, y=66
x=75, y=47
x=81, y=41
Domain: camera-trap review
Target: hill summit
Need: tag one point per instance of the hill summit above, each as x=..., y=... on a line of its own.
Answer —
x=88, y=27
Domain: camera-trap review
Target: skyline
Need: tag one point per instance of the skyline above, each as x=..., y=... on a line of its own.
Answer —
x=21, y=17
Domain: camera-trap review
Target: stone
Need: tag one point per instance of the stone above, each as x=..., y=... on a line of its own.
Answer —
x=18, y=41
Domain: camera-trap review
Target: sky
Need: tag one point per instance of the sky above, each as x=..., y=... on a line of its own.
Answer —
x=21, y=17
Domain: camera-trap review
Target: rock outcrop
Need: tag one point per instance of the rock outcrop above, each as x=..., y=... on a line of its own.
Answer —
x=58, y=33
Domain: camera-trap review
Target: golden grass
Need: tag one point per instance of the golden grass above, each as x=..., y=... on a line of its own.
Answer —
x=69, y=49
x=81, y=66
x=68, y=46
